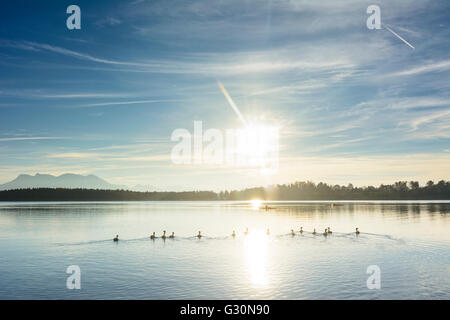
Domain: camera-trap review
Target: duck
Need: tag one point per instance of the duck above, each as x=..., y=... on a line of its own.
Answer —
x=329, y=230
x=163, y=235
x=268, y=232
x=325, y=233
x=116, y=238
x=357, y=231
x=314, y=232
x=153, y=236
x=172, y=235
x=246, y=231
x=292, y=233
x=301, y=230
x=233, y=234
x=199, y=235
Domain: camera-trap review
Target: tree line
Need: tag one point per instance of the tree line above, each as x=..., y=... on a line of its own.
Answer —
x=302, y=190
x=307, y=190
x=62, y=194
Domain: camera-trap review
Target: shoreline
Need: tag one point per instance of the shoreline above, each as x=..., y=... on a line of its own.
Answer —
x=342, y=202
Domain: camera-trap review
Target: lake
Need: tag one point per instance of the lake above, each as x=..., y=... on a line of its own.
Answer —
x=408, y=241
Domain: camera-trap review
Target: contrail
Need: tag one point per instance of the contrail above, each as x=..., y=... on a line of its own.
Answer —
x=231, y=102
x=395, y=34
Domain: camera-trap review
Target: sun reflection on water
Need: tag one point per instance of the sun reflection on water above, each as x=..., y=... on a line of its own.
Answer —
x=256, y=257
x=256, y=204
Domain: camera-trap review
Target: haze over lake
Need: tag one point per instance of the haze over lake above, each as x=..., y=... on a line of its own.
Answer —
x=409, y=241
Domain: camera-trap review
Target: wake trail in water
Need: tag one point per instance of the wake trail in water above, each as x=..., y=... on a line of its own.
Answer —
x=385, y=236
x=82, y=243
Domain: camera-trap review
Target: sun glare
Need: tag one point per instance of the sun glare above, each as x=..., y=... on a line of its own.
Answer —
x=256, y=204
x=256, y=257
x=257, y=145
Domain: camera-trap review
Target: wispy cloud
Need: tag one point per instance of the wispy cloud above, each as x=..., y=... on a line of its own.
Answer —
x=426, y=67
x=228, y=64
x=338, y=144
x=137, y=147
x=416, y=122
x=108, y=21
x=113, y=103
x=44, y=94
x=31, y=138
x=110, y=157
x=402, y=103
x=81, y=95
x=419, y=102
x=74, y=155
x=296, y=133
x=27, y=45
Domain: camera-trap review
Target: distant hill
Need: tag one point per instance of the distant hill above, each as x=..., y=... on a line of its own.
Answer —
x=68, y=180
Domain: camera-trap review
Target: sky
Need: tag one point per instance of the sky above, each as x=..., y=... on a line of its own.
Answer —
x=352, y=104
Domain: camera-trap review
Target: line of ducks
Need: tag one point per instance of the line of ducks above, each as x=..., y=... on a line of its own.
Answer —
x=172, y=236
x=199, y=235
x=325, y=233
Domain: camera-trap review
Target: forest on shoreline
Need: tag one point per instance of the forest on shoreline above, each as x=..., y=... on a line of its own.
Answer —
x=305, y=190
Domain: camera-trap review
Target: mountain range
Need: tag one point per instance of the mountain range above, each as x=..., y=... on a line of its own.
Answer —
x=67, y=180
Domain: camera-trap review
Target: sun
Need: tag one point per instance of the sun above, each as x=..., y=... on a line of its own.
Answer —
x=257, y=143
x=257, y=146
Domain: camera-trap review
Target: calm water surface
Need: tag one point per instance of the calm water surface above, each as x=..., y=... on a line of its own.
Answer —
x=409, y=241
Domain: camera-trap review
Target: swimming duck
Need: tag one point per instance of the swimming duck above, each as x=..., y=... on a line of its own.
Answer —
x=164, y=235
x=301, y=230
x=292, y=233
x=329, y=230
x=116, y=238
x=172, y=235
x=246, y=231
x=314, y=232
x=268, y=232
x=153, y=236
x=325, y=233
x=357, y=231
x=233, y=234
x=199, y=235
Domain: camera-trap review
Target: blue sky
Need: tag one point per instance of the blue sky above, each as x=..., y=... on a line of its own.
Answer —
x=352, y=104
